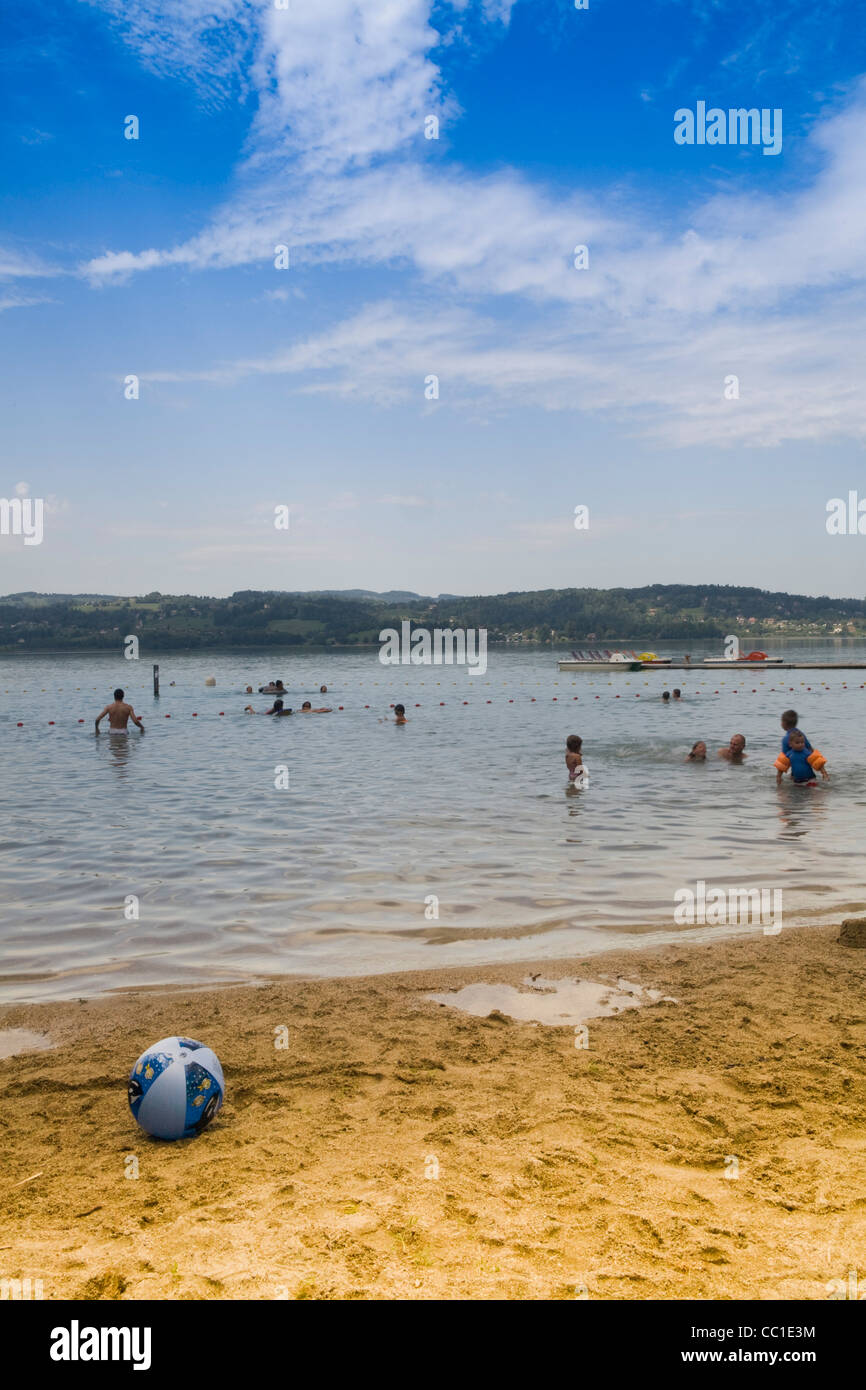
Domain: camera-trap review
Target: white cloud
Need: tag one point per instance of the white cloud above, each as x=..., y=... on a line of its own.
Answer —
x=769, y=287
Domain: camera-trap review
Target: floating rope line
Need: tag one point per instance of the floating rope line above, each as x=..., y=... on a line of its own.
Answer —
x=533, y=699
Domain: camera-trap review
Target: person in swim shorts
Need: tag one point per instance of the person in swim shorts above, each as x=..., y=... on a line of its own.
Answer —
x=119, y=714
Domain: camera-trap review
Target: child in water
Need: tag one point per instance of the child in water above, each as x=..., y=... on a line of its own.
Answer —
x=400, y=715
x=574, y=762
x=698, y=753
x=789, y=724
x=797, y=755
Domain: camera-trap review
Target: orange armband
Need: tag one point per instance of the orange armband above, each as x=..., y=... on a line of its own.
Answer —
x=782, y=763
x=816, y=761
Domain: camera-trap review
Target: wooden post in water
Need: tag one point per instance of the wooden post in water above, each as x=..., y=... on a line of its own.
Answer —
x=156, y=681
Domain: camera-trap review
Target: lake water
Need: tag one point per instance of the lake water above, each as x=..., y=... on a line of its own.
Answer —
x=237, y=878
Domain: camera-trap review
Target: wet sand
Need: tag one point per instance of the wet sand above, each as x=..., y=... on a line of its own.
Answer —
x=710, y=1148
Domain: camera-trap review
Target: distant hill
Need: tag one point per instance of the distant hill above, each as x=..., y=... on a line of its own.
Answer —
x=354, y=617
x=390, y=596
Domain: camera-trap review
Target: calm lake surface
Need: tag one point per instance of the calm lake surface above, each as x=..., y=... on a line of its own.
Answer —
x=238, y=879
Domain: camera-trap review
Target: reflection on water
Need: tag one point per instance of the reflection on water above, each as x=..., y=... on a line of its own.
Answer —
x=801, y=808
x=339, y=844
x=119, y=747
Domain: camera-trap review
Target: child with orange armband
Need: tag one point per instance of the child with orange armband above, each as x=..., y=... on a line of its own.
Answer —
x=802, y=765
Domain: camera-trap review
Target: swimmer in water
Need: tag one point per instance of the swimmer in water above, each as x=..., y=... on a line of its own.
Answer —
x=789, y=724
x=119, y=714
x=798, y=756
x=249, y=690
x=574, y=762
x=307, y=708
x=698, y=753
x=666, y=696
x=735, y=751
x=276, y=708
x=678, y=694
x=275, y=688
x=400, y=715
x=323, y=690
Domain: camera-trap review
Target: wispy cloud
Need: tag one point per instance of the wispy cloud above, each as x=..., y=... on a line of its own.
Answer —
x=766, y=287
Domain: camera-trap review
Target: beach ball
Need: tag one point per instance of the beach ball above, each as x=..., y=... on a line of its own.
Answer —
x=175, y=1088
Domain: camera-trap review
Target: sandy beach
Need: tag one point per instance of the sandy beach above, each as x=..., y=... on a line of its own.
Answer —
x=713, y=1147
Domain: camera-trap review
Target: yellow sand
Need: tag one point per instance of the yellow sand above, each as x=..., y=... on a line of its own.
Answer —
x=559, y=1169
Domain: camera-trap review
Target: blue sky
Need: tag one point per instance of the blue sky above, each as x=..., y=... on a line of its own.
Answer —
x=411, y=257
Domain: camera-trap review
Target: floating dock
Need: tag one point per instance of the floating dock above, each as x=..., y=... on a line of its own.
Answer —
x=721, y=665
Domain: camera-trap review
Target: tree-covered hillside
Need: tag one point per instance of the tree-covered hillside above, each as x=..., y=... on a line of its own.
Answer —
x=67, y=622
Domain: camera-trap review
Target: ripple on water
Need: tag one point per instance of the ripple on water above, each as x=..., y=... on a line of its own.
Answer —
x=452, y=842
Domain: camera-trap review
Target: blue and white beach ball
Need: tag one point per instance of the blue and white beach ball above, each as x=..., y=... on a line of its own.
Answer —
x=175, y=1088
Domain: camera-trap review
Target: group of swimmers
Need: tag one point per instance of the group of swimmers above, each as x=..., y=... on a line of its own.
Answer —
x=119, y=712
x=278, y=708
x=797, y=756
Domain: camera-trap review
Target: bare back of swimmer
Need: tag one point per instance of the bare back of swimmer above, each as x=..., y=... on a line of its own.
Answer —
x=119, y=714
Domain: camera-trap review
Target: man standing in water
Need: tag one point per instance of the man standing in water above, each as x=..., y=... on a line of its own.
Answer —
x=119, y=714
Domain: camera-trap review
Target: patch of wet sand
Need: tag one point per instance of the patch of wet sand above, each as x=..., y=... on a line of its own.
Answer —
x=399, y=1149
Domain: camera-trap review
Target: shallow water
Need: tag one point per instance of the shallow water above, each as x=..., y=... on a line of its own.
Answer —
x=237, y=878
